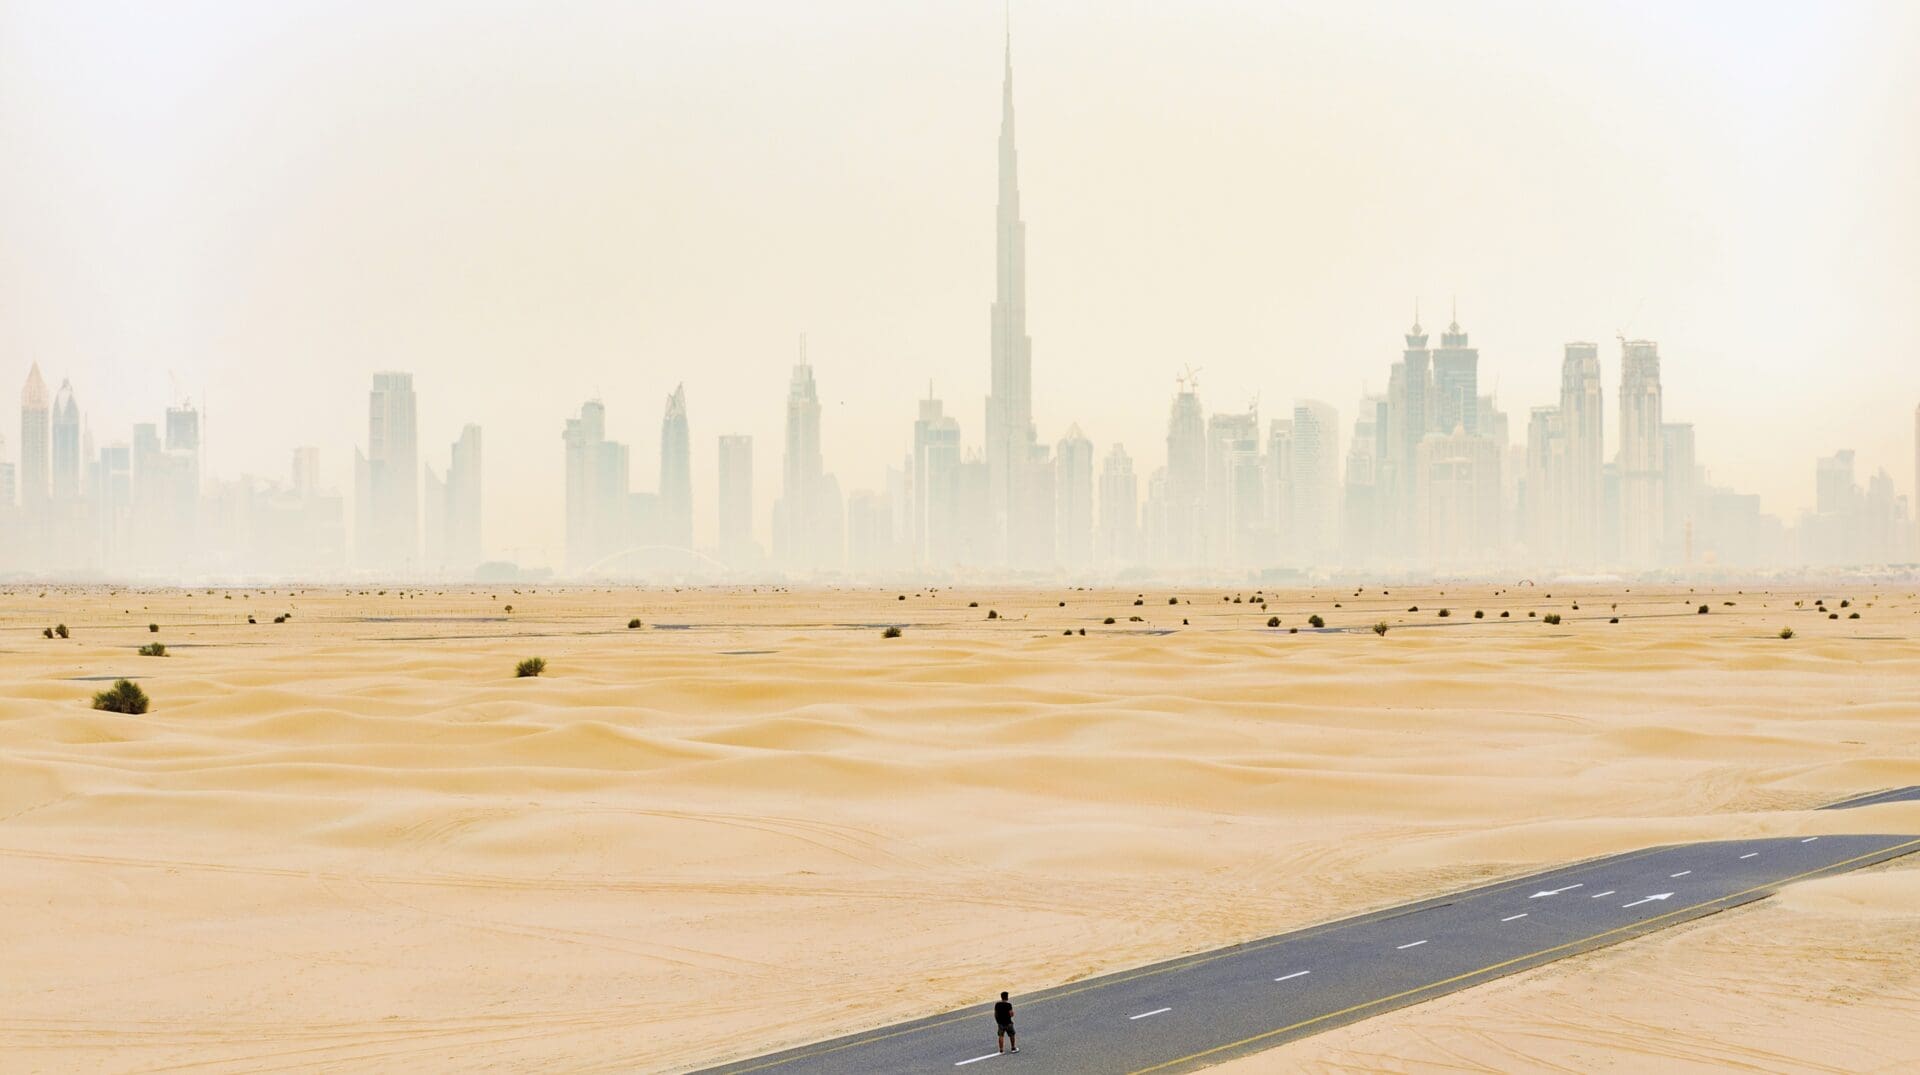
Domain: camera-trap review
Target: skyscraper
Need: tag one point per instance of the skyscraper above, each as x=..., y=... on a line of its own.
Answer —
x=1279, y=468
x=462, y=540
x=1119, y=507
x=807, y=519
x=1316, y=480
x=1456, y=383
x=936, y=485
x=1678, y=486
x=1184, y=541
x=1412, y=421
x=1545, y=529
x=676, y=473
x=389, y=507
x=35, y=430
x=599, y=508
x=1073, y=499
x=1459, y=516
x=1642, y=451
x=1236, y=499
x=1010, y=437
x=736, y=500
x=1582, y=486
x=66, y=444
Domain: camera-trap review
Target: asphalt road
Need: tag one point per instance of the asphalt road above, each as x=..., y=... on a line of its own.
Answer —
x=1199, y=1010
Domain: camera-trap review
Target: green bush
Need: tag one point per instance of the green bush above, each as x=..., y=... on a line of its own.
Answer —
x=532, y=666
x=1479, y=613
x=1380, y=628
x=1786, y=632
x=1273, y=621
x=890, y=632
x=154, y=649
x=125, y=696
x=153, y=628
x=60, y=629
x=1444, y=613
x=1315, y=621
x=1553, y=617
x=633, y=623
x=1703, y=610
x=993, y=613
x=46, y=632
x=1109, y=619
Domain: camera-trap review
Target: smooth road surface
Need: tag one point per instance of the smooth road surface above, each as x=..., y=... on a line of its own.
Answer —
x=1199, y=1010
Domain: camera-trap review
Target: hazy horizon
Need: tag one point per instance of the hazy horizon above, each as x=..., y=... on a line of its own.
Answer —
x=526, y=209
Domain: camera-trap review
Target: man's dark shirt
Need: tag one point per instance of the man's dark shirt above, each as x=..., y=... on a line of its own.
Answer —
x=1003, y=1013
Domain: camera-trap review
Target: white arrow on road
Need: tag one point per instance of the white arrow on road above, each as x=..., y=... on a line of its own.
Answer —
x=1649, y=899
x=1554, y=891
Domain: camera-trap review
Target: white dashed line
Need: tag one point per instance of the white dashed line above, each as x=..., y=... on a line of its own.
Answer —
x=1749, y=854
x=1682, y=873
x=1415, y=944
x=1597, y=895
x=1295, y=974
x=1143, y=1015
x=1511, y=917
x=975, y=1060
x=1809, y=839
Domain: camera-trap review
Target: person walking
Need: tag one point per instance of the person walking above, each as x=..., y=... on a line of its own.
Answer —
x=1003, y=1024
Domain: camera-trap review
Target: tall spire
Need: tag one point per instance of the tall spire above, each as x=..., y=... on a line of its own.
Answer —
x=1010, y=437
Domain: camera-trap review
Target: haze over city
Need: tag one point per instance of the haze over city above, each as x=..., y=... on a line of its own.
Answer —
x=527, y=211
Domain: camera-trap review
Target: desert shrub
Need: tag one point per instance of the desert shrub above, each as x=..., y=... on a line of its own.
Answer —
x=903, y=597
x=1553, y=617
x=1136, y=619
x=509, y=608
x=1063, y=604
x=250, y=619
x=1479, y=613
x=1315, y=621
x=1380, y=628
x=1703, y=610
x=1615, y=619
x=1273, y=621
x=1853, y=615
x=1109, y=619
x=633, y=623
x=153, y=628
x=1844, y=603
x=46, y=632
x=976, y=604
x=60, y=629
x=532, y=666
x=1413, y=608
x=1139, y=601
x=993, y=613
x=1503, y=615
x=1531, y=614
x=154, y=649
x=125, y=696
x=1786, y=632
x=1173, y=600
x=891, y=632
x=1833, y=615
x=1576, y=606
x=1444, y=613
x=1083, y=632
x=282, y=618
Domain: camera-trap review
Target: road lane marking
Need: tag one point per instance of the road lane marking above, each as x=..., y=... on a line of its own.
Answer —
x=1295, y=974
x=1640, y=927
x=1143, y=1015
x=1649, y=899
x=1555, y=891
x=976, y=1060
x=1415, y=944
x=1749, y=854
x=1809, y=839
x=1682, y=873
x=1169, y=967
x=1511, y=917
x=1597, y=895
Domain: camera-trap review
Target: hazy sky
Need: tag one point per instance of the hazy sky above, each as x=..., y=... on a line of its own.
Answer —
x=530, y=204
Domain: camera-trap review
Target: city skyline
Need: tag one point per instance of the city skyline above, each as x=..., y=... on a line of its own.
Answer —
x=860, y=437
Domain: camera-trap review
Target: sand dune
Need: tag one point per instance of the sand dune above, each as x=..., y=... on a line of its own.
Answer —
x=355, y=841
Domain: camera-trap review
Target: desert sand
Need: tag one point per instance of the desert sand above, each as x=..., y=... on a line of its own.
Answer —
x=355, y=841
